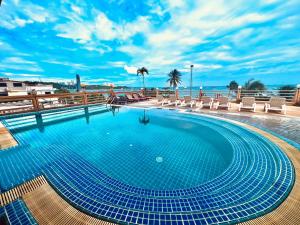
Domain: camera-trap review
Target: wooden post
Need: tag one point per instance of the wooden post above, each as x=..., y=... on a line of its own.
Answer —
x=177, y=93
x=35, y=103
x=239, y=93
x=297, y=95
x=85, y=98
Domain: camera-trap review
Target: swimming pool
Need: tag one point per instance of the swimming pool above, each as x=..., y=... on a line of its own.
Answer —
x=149, y=166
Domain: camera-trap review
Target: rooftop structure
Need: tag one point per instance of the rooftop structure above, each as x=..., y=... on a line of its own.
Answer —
x=17, y=88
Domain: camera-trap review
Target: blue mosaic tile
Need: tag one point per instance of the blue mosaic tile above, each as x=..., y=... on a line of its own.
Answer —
x=18, y=213
x=257, y=179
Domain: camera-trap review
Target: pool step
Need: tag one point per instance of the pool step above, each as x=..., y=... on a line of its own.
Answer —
x=46, y=117
x=15, y=193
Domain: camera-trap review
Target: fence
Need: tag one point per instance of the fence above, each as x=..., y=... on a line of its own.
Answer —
x=29, y=103
x=292, y=96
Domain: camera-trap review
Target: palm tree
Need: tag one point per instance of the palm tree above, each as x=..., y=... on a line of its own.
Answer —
x=254, y=85
x=142, y=71
x=233, y=86
x=174, y=78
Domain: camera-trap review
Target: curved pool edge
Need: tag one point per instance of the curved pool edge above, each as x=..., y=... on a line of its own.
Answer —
x=281, y=210
x=288, y=211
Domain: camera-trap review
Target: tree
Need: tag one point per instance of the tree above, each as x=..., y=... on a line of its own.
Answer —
x=286, y=90
x=254, y=85
x=174, y=78
x=233, y=86
x=142, y=71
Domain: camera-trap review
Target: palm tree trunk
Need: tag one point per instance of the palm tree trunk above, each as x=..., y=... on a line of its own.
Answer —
x=144, y=82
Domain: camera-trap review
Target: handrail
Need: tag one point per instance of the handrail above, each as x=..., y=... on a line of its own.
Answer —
x=18, y=104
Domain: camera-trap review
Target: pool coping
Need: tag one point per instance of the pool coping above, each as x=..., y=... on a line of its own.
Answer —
x=6, y=138
x=288, y=212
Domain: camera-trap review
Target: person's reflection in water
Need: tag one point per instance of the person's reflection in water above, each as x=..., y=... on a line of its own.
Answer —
x=39, y=122
x=87, y=115
x=144, y=119
x=114, y=109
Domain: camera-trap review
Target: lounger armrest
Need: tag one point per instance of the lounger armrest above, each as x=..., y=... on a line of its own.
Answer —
x=267, y=106
x=240, y=106
x=217, y=105
x=200, y=104
x=284, y=109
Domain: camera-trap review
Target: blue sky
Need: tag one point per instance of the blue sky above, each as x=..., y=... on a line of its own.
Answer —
x=105, y=41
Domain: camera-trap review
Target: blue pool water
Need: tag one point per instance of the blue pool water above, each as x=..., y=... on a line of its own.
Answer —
x=166, y=153
x=149, y=166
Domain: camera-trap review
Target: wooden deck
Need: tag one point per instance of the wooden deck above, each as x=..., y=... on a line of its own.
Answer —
x=6, y=139
x=17, y=192
x=47, y=207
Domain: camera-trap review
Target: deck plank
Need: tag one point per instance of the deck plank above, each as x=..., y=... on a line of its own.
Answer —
x=47, y=207
x=17, y=192
x=6, y=139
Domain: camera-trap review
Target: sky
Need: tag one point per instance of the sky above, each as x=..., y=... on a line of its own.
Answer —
x=105, y=41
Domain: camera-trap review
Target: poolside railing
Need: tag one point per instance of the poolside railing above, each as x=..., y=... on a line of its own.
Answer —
x=30, y=103
x=236, y=95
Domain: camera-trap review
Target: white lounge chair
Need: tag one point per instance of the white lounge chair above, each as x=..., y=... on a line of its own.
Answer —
x=187, y=101
x=160, y=99
x=248, y=103
x=172, y=101
x=276, y=104
x=206, y=102
x=223, y=102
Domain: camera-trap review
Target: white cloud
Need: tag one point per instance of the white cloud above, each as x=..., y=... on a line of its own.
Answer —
x=69, y=64
x=77, y=31
x=105, y=29
x=175, y=3
x=76, y=9
x=17, y=63
x=21, y=74
x=16, y=60
x=21, y=13
x=202, y=67
x=130, y=69
x=117, y=63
